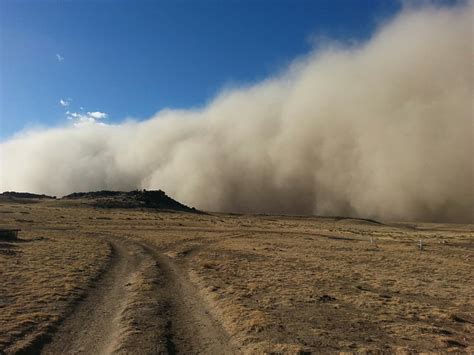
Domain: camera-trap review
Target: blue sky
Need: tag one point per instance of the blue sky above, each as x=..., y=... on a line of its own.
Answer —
x=133, y=58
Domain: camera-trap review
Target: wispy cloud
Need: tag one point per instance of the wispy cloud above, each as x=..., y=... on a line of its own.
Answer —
x=65, y=102
x=87, y=118
x=82, y=118
x=97, y=115
x=59, y=57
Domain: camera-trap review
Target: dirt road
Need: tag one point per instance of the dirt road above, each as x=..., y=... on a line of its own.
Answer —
x=142, y=304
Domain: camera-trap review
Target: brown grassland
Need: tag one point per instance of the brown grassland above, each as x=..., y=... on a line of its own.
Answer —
x=276, y=284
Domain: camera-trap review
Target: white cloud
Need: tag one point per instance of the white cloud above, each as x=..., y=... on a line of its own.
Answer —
x=88, y=118
x=97, y=115
x=71, y=115
x=65, y=103
x=59, y=57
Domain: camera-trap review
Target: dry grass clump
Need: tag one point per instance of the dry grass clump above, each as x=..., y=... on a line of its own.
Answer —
x=42, y=275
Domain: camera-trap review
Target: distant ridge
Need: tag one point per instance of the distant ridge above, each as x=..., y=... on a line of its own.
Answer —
x=24, y=195
x=94, y=194
x=155, y=199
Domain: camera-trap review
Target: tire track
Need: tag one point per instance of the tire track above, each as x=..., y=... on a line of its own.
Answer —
x=142, y=304
x=93, y=326
x=190, y=328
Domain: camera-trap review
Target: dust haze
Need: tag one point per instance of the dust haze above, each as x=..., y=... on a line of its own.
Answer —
x=379, y=129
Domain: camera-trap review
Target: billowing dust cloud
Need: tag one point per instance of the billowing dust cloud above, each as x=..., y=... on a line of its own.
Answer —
x=383, y=129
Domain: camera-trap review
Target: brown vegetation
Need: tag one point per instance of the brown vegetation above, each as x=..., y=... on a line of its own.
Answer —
x=274, y=283
x=43, y=274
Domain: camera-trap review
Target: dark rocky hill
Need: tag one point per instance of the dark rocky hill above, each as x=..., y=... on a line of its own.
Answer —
x=154, y=199
x=24, y=195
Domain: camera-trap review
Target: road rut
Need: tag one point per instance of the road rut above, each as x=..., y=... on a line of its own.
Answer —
x=142, y=304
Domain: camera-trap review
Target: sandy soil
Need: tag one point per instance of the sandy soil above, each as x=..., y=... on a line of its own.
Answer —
x=188, y=283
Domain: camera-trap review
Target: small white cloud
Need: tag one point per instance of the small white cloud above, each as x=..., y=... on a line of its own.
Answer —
x=65, y=103
x=89, y=118
x=59, y=57
x=97, y=115
x=73, y=114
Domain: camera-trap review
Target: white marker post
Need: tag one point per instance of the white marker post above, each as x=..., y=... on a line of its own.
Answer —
x=421, y=245
x=373, y=243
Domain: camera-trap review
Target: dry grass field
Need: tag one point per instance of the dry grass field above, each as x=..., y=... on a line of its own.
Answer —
x=43, y=274
x=219, y=283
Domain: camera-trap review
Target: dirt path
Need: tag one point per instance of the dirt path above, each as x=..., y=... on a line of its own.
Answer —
x=190, y=329
x=93, y=326
x=142, y=304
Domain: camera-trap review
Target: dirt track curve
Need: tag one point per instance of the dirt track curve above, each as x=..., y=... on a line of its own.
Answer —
x=142, y=304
